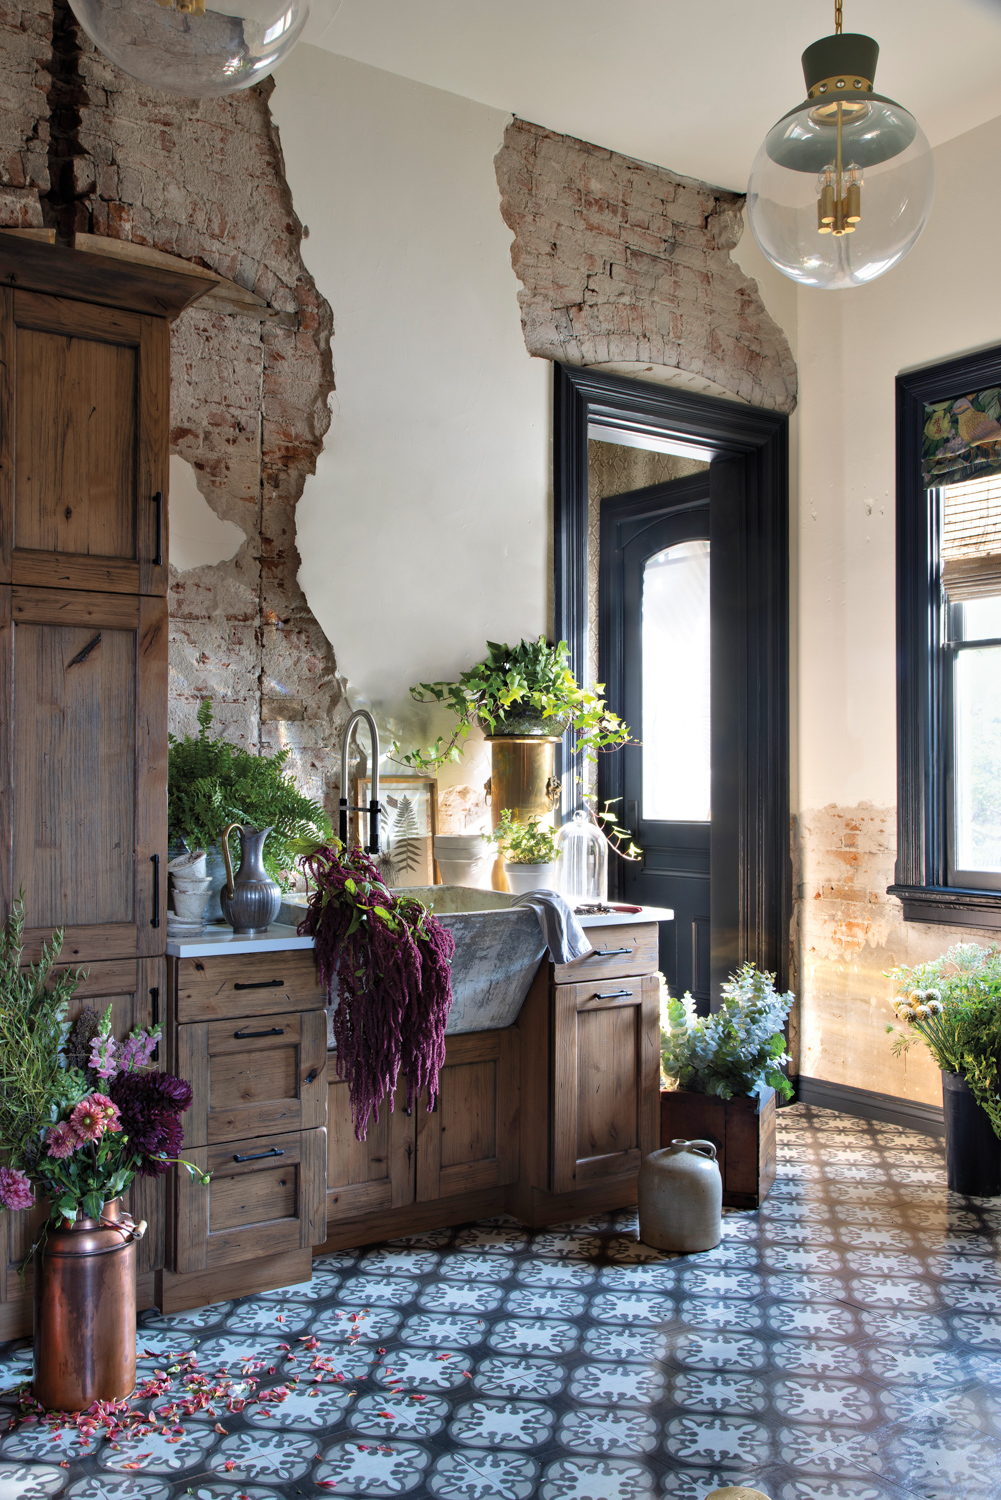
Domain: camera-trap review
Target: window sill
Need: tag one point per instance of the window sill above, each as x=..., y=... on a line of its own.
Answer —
x=948, y=906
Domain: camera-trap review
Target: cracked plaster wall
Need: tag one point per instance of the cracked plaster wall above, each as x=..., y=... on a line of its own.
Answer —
x=87, y=149
x=624, y=262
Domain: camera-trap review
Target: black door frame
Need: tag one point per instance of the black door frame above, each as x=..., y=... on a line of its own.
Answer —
x=750, y=880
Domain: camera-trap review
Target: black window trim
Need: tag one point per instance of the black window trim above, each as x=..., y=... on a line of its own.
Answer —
x=923, y=737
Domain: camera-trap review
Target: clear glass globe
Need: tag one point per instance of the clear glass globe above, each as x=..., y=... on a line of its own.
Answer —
x=195, y=48
x=886, y=159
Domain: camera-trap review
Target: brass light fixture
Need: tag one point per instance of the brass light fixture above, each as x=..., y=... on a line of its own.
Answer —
x=843, y=184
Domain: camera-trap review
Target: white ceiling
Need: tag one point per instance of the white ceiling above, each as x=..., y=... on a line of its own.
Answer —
x=692, y=85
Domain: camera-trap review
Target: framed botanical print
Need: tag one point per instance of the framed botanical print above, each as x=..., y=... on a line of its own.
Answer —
x=408, y=821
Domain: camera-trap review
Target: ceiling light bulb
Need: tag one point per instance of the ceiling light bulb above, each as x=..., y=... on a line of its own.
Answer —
x=843, y=184
x=195, y=48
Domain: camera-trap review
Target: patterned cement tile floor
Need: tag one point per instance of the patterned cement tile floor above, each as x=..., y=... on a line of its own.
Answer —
x=843, y=1343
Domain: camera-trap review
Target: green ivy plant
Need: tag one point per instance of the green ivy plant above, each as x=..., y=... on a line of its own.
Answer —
x=532, y=677
x=739, y=1049
x=211, y=782
x=531, y=843
x=953, y=1004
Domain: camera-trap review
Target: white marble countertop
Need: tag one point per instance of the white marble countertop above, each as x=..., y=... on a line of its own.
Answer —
x=219, y=939
x=279, y=938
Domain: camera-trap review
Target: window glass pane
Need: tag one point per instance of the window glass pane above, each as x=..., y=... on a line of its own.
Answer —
x=982, y=619
x=977, y=775
x=675, y=665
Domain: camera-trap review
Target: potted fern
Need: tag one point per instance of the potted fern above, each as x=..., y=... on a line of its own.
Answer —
x=212, y=783
x=724, y=1072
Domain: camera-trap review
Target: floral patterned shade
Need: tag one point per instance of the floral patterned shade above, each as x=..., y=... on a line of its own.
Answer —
x=962, y=438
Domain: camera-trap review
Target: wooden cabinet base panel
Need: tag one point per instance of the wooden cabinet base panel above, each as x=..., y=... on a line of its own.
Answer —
x=175, y=1291
x=415, y=1218
x=16, y=1316
x=536, y=1208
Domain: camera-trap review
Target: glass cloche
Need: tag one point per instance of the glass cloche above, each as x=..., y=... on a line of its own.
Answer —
x=583, y=861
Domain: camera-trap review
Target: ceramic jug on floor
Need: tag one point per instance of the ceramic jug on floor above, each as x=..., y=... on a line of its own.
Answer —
x=250, y=899
x=680, y=1195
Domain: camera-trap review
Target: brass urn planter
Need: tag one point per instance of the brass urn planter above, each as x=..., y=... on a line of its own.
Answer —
x=523, y=780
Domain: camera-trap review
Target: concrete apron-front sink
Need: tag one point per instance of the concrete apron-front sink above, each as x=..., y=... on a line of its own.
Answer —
x=497, y=952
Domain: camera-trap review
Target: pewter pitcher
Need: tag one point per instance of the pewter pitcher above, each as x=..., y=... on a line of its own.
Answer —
x=250, y=899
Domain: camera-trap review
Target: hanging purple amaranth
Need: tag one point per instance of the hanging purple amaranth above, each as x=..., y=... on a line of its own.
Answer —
x=386, y=964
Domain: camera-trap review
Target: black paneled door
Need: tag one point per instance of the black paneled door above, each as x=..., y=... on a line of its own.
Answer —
x=654, y=657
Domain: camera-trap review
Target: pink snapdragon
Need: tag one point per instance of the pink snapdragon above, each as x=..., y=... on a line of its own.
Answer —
x=62, y=1140
x=15, y=1190
x=93, y=1116
x=102, y=1056
x=137, y=1051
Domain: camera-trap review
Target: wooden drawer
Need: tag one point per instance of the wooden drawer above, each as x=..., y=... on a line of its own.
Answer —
x=251, y=1076
x=246, y=984
x=267, y=1195
x=619, y=949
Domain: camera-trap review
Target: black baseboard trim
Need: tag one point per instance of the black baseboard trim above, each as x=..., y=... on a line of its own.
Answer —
x=867, y=1105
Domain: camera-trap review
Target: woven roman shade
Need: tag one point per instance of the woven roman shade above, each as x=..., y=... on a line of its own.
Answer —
x=971, y=538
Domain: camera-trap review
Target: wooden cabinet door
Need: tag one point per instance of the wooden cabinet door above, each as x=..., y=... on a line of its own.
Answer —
x=132, y=987
x=83, y=784
x=470, y=1140
x=606, y=1072
x=84, y=435
x=252, y=1076
x=377, y=1173
x=266, y=1196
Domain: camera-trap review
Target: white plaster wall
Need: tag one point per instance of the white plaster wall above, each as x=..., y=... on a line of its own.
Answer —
x=427, y=527
x=851, y=345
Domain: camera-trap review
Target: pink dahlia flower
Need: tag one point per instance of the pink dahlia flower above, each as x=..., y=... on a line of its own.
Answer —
x=93, y=1116
x=15, y=1190
x=62, y=1139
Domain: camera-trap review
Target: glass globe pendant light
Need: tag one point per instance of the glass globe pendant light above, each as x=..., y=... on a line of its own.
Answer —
x=195, y=48
x=843, y=184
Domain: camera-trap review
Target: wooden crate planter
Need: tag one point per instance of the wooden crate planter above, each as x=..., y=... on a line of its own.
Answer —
x=743, y=1134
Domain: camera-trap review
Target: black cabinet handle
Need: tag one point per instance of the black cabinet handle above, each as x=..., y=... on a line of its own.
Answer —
x=606, y=953
x=154, y=1005
x=158, y=502
x=611, y=995
x=259, y=1155
x=312, y=1075
x=154, y=920
x=240, y=1036
x=266, y=984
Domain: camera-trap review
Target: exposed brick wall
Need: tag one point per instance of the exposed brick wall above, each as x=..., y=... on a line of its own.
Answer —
x=205, y=180
x=25, y=58
x=622, y=261
x=847, y=934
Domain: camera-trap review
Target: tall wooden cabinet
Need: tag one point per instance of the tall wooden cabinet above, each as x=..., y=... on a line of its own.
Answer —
x=84, y=452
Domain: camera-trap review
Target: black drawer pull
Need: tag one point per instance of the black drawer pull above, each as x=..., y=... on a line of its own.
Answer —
x=240, y=1036
x=606, y=953
x=158, y=555
x=154, y=920
x=611, y=995
x=271, y=984
x=312, y=1075
x=259, y=1155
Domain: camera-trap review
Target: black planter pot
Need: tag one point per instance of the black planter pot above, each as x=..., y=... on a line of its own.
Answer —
x=972, y=1150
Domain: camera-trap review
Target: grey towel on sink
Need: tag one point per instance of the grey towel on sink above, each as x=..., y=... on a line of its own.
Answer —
x=563, y=933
